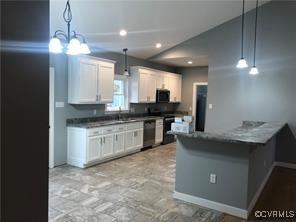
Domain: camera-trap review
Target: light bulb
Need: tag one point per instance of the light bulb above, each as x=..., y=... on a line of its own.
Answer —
x=122, y=32
x=55, y=45
x=158, y=45
x=242, y=63
x=254, y=71
x=84, y=49
x=73, y=47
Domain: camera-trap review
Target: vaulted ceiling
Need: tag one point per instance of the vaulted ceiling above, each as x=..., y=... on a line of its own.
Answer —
x=147, y=22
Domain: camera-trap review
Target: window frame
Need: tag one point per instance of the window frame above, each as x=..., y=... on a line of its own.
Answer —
x=126, y=96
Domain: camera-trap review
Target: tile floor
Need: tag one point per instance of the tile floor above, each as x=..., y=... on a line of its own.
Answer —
x=138, y=188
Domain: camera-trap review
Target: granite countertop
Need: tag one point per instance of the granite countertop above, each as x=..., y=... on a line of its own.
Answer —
x=251, y=132
x=112, y=122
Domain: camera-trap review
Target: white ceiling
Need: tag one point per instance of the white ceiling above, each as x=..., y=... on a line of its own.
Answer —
x=147, y=22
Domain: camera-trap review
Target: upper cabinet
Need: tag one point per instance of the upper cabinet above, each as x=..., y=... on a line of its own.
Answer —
x=90, y=80
x=144, y=83
x=142, y=86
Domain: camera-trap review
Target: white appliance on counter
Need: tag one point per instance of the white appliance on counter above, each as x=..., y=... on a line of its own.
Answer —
x=183, y=125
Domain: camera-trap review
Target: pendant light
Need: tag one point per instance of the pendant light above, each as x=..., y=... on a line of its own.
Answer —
x=126, y=73
x=242, y=63
x=254, y=70
x=73, y=45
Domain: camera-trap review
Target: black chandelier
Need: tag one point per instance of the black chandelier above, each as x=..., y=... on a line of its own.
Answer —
x=73, y=46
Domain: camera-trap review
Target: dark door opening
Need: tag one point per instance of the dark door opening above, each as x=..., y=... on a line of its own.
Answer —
x=200, y=111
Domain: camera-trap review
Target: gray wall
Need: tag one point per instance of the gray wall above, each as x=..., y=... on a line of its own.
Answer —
x=235, y=94
x=190, y=76
x=59, y=62
x=197, y=159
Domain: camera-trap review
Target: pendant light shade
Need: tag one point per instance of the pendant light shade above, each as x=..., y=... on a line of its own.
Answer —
x=74, y=47
x=242, y=63
x=125, y=73
x=84, y=49
x=254, y=70
x=55, y=45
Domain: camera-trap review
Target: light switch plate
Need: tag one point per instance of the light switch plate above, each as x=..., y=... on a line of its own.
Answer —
x=210, y=106
x=59, y=104
x=213, y=178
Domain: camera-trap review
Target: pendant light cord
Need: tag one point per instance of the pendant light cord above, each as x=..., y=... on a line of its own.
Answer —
x=255, y=37
x=125, y=58
x=67, y=15
x=243, y=23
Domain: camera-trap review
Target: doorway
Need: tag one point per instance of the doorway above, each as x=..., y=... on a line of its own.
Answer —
x=199, y=105
x=51, y=118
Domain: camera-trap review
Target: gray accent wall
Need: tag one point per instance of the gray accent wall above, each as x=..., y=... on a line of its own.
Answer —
x=238, y=96
x=59, y=62
x=190, y=76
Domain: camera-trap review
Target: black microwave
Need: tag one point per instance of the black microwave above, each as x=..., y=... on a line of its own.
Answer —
x=162, y=96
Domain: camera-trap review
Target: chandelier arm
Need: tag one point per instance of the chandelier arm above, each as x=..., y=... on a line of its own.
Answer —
x=81, y=36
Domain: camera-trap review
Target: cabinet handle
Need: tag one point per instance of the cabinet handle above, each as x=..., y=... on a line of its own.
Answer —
x=101, y=141
x=99, y=97
x=104, y=140
x=135, y=133
x=116, y=137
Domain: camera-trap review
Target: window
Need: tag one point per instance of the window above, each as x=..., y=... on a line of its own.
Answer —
x=120, y=96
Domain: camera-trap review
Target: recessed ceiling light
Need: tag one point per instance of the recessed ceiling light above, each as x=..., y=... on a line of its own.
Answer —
x=189, y=62
x=122, y=32
x=158, y=45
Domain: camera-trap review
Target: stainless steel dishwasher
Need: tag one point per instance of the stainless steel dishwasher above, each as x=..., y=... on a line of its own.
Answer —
x=149, y=133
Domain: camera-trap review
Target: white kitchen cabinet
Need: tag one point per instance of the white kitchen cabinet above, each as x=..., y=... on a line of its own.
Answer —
x=143, y=85
x=119, y=141
x=145, y=81
x=134, y=139
x=107, y=145
x=105, y=82
x=158, y=131
x=90, y=146
x=93, y=148
x=90, y=80
x=175, y=87
x=162, y=81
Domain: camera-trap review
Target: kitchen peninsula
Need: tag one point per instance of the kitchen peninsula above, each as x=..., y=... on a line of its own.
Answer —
x=226, y=171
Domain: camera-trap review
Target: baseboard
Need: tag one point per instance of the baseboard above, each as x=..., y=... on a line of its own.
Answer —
x=287, y=165
x=238, y=212
x=257, y=194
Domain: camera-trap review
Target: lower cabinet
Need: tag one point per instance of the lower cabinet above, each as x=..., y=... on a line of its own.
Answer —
x=119, y=140
x=134, y=139
x=90, y=146
x=159, y=131
x=94, y=148
x=107, y=146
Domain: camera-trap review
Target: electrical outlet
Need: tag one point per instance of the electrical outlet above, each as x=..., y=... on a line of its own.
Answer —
x=213, y=178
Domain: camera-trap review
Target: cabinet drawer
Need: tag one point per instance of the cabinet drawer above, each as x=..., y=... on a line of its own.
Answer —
x=159, y=122
x=136, y=125
x=120, y=128
x=94, y=131
x=108, y=129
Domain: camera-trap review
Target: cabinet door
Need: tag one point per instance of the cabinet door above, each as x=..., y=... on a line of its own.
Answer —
x=129, y=140
x=138, y=138
x=93, y=151
x=160, y=82
x=158, y=134
x=119, y=142
x=143, y=87
x=107, y=145
x=105, y=82
x=165, y=82
x=88, y=82
x=173, y=88
x=152, y=81
x=179, y=89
